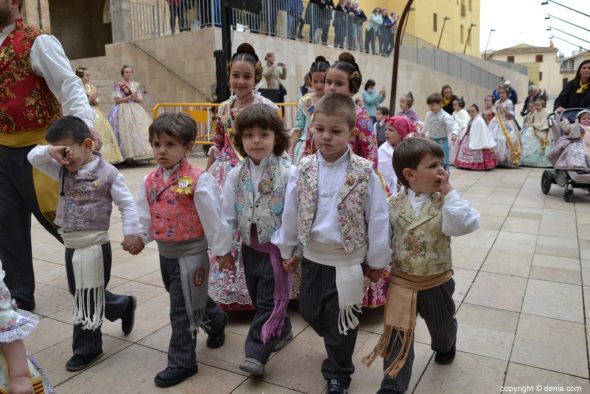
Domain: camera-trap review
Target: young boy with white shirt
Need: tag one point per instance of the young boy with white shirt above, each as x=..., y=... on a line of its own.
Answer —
x=423, y=219
x=439, y=126
x=88, y=187
x=335, y=207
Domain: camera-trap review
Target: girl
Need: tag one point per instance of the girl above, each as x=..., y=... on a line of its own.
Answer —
x=18, y=373
x=488, y=109
x=129, y=120
x=345, y=77
x=245, y=71
x=536, y=137
x=406, y=102
x=462, y=118
x=475, y=148
x=448, y=98
x=372, y=99
x=505, y=132
x=305, y=108
x=110, y=149
x=254, y=195
x=398, y=129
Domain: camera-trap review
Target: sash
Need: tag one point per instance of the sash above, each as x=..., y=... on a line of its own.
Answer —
x=514, y=150
x=543, y=141
x=124, y=88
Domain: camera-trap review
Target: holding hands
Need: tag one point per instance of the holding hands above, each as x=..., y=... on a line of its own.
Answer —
x=226, y=262
x=132, y=244
x=290, y=264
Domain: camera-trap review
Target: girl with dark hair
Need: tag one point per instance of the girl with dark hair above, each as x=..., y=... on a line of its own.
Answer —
x=475, y=148
x=406, y=101
x=372, y=99
x=505, y=132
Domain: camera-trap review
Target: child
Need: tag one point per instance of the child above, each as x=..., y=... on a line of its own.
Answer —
x=462, y=118
x=88, y=187
x=18, y=372
x=505, y=132
x=305, y=108
x=536, y=138
x=528, y=118
x=406, y=101
x=439, y=125
x=253, y=201
x=398, y=129
x=489, y=109
x=423, y=219
x=572, y=150
x=336, y=208
x=379, y=126
x=475, y=150
x=179, y=207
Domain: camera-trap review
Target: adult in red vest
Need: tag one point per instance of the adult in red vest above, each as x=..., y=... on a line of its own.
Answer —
x=36, y=82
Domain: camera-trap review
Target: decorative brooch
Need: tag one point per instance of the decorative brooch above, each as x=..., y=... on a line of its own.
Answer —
x=350, y=180
x=265, y=186
x=95, y=184
x=184, y=185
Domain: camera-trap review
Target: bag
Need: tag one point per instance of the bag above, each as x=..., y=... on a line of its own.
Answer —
x=282, y=90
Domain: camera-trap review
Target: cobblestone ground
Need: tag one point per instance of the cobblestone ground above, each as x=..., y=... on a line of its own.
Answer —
x=521, y=295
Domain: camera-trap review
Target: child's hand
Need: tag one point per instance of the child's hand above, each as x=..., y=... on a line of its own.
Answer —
x=20, y=385
x=453, y=137
x=132, y=244
x=290, y=264
x=61, y=154
x=226, y=262
x=445, y=186
x=374, y=274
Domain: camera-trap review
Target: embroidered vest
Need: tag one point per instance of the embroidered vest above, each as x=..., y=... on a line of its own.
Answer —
x=174, y=217
x=267, y=209
x=351, y=216
x=26, y=103
x=419, y=245
x=87, y=203
x=435, y=126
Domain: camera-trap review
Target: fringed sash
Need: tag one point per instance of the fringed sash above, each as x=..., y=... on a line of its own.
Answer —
x=400, y=316
x=514, y=148
x=543, y=141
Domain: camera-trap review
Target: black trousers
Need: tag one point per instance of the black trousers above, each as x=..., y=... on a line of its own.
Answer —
x=182, y=349
x=90, y=341
x=318, y=305
x=260, y=282
x=17, y=203
x=437, y=308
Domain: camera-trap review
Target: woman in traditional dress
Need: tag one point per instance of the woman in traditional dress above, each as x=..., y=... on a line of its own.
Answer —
x=110, y=148
x=129, y=120
x=505, y=132
x=536, y=138
x=475, y=149
x=228, y=288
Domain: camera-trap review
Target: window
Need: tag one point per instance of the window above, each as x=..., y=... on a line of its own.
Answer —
x=434, y=22
x=539, y=58
x=510, y=59
x=462, y=38
x=540, y=75
x=463, y=10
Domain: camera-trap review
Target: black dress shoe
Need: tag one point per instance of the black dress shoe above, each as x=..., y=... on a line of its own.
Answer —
x=336, y=386
x=173, y=376
x=27, y=306
x=79, y=362
x=128, y=319
x=217, y=339
x=446, y=357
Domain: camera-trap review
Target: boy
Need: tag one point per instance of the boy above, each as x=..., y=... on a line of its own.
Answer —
x=380, y=127
x=180, y=207
x=439, y=125
x=336, y=209
x=88, y=187
x=423, y=218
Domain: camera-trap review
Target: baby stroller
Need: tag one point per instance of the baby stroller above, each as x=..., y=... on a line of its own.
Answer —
x=569, y=179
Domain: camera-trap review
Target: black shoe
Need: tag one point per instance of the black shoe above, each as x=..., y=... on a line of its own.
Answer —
x=173, y=376
x=336, y=386
x=79, y=362
x=388, y=391
x=24, y=305
x=216, y=340
x=128, y=318
x=445, y=358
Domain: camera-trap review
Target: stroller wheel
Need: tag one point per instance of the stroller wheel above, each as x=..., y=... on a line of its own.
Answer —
x=546, y=181
x=568, y=195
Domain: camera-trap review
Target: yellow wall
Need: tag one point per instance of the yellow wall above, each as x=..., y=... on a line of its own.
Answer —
x=420, y=21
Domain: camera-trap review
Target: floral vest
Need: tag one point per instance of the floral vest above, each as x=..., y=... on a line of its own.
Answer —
x=174, y=217
x=351, y=216
x=419, y=245
x=26, y=103
x=266, y=210
x=86, y=203
x=435, y=125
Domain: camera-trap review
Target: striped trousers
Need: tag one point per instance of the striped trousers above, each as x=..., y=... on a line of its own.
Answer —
x=437, y=308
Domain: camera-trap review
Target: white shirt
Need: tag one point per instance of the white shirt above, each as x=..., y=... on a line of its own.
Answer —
x=50, y=62
x=386, y=166
x=207, y=200
x=440, y=124
x=325, y=229
x=40, y=158
x=458, y=216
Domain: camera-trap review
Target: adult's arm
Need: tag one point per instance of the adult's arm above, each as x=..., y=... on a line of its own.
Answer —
x=562, y=101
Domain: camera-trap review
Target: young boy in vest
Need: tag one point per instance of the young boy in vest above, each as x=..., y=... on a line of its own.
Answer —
x=379, y=126
x=423, y=219
x=335, y=207
x=179, y=206
x=439, y=126
x=88, y=187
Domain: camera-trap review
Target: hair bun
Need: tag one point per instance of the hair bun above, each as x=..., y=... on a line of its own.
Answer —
x=347, y=57
x=246, y=48
x=321, y=59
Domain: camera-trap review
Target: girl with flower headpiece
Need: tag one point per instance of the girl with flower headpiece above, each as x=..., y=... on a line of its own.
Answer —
x=398, y=128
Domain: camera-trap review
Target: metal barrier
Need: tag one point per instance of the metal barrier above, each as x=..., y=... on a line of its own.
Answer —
x=204, y=115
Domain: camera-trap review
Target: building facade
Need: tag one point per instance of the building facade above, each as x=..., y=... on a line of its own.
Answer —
x=569, y=65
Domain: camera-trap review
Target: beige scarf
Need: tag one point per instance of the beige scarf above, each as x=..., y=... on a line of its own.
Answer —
x=400, y=316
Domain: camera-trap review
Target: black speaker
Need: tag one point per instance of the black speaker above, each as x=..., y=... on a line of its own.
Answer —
x=253, y=6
